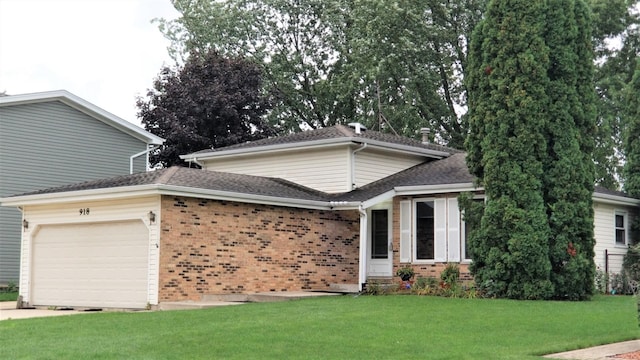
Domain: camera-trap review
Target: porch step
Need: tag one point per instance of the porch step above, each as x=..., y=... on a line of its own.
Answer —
x=345, y=288
x=381, y=282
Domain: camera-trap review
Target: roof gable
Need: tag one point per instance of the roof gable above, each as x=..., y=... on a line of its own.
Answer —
x=85, y=107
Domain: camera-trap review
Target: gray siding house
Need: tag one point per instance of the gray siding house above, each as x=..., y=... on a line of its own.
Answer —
x=56, y=138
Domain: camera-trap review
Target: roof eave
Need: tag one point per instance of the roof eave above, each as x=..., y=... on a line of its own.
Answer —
x=116, y=193
x=435, y=189
x=615, y=199
x=81, y=195
x=316, y=144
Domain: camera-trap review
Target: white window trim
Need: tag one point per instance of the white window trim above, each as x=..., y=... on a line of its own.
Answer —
x=625, y=217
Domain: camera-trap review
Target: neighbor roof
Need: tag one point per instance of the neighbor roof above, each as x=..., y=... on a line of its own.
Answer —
x=85, y=107
x=325, y=136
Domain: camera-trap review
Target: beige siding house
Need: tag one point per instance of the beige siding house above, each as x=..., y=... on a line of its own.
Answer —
x=323, y=210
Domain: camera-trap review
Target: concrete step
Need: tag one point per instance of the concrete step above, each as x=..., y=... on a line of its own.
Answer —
x=345, y=288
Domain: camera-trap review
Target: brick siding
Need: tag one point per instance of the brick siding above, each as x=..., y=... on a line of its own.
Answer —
x=221, y=247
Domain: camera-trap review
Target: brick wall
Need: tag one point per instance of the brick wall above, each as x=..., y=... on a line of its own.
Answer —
x=220, y=247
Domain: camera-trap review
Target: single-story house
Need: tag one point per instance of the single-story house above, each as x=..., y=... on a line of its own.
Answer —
x=325, y=209
x=55, y=138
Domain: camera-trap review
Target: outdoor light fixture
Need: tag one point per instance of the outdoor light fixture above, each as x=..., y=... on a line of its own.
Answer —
x=25, y=224
x=152, y=217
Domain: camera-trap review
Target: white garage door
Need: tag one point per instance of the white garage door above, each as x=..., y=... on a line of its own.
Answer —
x=91, y=265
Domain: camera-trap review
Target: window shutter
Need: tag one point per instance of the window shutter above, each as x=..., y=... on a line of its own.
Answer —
x=405, y=231
x=440, y=223
x=454, y=230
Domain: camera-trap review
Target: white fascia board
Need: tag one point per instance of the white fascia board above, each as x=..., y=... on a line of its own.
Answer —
x=378, y=199
x=241, y=197
x=265, y=149
x=85, y=107
x=615, y=199
x=435, y=189
x=156, y=189
x=405, y=149
x=81, y=195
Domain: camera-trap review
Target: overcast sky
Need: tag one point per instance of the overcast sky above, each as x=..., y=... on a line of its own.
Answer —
x=104, y=51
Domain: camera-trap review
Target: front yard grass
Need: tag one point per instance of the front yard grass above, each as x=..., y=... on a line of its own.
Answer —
x=346, y=327
x=8, y=296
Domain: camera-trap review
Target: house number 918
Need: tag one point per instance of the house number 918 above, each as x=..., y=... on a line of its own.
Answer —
x=84, y=211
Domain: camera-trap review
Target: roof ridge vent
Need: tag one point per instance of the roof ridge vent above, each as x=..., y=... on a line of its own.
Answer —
x=359, y=128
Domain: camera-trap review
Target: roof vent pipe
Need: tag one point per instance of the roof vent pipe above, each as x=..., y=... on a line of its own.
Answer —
x=359, y=128
x=425, y=135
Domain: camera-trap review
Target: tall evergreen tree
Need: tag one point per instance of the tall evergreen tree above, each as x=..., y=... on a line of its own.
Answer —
x=507, y=84
x=632, y=138
x=568, y=167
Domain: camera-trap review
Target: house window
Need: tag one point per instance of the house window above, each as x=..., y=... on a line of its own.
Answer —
x=425, y=236
x=379, y=234
x=621, y=228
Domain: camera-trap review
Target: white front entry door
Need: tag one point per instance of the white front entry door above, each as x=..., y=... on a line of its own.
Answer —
x=380, y=251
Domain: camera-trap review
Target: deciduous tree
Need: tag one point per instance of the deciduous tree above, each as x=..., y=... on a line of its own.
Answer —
x=211, y=101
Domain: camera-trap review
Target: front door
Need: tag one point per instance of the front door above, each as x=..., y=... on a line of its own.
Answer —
x=380, y=249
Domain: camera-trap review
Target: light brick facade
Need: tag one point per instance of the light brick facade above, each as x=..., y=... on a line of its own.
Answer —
x=222, y=247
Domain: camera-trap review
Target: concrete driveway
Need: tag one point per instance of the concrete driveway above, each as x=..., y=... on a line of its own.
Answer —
x=8, y=311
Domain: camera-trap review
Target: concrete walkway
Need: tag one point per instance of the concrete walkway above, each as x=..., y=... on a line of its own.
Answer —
x=8, y=311
x=604, y=352
x=8, y=308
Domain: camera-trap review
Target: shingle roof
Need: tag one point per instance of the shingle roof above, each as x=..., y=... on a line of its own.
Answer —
x=199, y=179
x=333, y=132
x=451, y=170
x=602, y=190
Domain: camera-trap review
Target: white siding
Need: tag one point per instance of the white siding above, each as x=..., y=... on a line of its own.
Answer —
x=604, y=233
x=99, y=212
x=325, y=170
x=375, y=165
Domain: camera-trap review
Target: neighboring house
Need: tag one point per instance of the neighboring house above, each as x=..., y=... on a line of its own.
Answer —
x=328, y=209
x=54, y=138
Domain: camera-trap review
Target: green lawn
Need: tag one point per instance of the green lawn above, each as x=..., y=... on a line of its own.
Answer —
x=347, y=327
x=8, y=296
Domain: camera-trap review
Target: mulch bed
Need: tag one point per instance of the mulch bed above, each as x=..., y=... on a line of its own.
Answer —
x=632, y=356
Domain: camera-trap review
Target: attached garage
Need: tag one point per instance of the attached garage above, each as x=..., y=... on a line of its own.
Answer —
x=91, y=253
x=91, y=265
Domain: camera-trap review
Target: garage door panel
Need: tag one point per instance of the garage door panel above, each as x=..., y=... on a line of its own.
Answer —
x=93, y=265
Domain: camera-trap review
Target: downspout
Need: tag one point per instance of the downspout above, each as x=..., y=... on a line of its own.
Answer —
x=195, y=160
x=140, y=154
x=353, y=164
x=362, y=273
